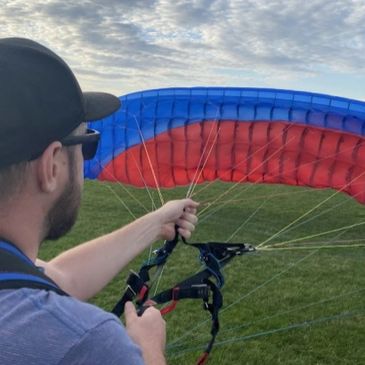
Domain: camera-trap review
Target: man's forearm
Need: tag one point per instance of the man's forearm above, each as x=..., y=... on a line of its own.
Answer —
x=85, y=269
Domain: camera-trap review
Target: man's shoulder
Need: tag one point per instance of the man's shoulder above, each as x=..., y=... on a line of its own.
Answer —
x=63, y=311
x=58, y=327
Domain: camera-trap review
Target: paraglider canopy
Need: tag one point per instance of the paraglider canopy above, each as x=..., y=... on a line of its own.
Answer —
x=170, y=137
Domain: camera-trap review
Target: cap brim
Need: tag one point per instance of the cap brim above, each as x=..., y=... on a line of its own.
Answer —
x=99, y=105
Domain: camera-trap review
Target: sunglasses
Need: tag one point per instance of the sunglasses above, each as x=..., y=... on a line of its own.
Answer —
x=89, y=142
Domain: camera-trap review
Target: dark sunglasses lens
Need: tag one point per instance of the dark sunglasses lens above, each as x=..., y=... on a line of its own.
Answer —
x=89, y=149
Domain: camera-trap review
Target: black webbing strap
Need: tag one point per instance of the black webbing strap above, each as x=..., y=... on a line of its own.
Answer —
x=16, y=273
x=138, y=283
x=136, y=286
x=214, y=256
x=194, y=287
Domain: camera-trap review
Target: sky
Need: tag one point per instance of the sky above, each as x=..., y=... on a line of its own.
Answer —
x=122, y=46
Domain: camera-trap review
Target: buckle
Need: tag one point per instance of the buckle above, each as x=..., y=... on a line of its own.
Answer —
x=130, y=289
x=136, y=286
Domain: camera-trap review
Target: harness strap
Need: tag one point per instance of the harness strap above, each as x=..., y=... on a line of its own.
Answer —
x=17, y=271
x=214, y=256
x=137, y=284
x=136, y=287
x=197, y=286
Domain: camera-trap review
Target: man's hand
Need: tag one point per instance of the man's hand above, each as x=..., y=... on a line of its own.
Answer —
x=147, y=331
x=177, y=212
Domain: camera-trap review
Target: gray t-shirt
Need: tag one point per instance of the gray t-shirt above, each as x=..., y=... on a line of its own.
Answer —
x=43, y=328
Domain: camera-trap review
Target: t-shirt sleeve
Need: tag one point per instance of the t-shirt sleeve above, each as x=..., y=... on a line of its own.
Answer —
x=107, y=343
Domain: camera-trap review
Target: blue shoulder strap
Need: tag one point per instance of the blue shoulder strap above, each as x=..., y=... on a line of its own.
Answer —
x=18, y=271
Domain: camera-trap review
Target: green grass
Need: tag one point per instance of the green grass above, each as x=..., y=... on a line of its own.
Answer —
x=292, y=306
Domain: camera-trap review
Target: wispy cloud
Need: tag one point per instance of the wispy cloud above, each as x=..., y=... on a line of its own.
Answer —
x=128, y=45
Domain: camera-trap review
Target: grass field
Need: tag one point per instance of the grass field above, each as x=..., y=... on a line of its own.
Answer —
x=299, y=303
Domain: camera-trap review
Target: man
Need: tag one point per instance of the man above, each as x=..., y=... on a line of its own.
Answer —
x=43, y=141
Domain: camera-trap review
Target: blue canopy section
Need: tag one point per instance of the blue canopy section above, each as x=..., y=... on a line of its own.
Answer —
x=144, y=115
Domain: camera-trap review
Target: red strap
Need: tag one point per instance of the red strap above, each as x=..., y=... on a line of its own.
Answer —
x=172, y=306
x=203, y=359
x=142, y=292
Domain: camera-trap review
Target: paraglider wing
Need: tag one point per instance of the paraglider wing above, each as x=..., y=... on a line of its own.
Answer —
x=170, y=137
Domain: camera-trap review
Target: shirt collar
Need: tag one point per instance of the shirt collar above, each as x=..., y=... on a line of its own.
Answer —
x=11, y=248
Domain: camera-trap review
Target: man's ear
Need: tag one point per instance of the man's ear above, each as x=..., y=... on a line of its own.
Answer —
x=49, y=167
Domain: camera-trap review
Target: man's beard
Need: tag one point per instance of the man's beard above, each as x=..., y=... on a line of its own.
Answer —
x=62, y=216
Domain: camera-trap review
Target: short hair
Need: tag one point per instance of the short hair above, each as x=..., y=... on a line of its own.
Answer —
x=12, y=179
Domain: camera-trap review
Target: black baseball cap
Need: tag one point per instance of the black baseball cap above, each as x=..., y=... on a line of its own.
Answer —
x=40, y=100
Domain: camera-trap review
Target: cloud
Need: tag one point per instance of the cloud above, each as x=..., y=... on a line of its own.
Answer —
x=141, y=43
